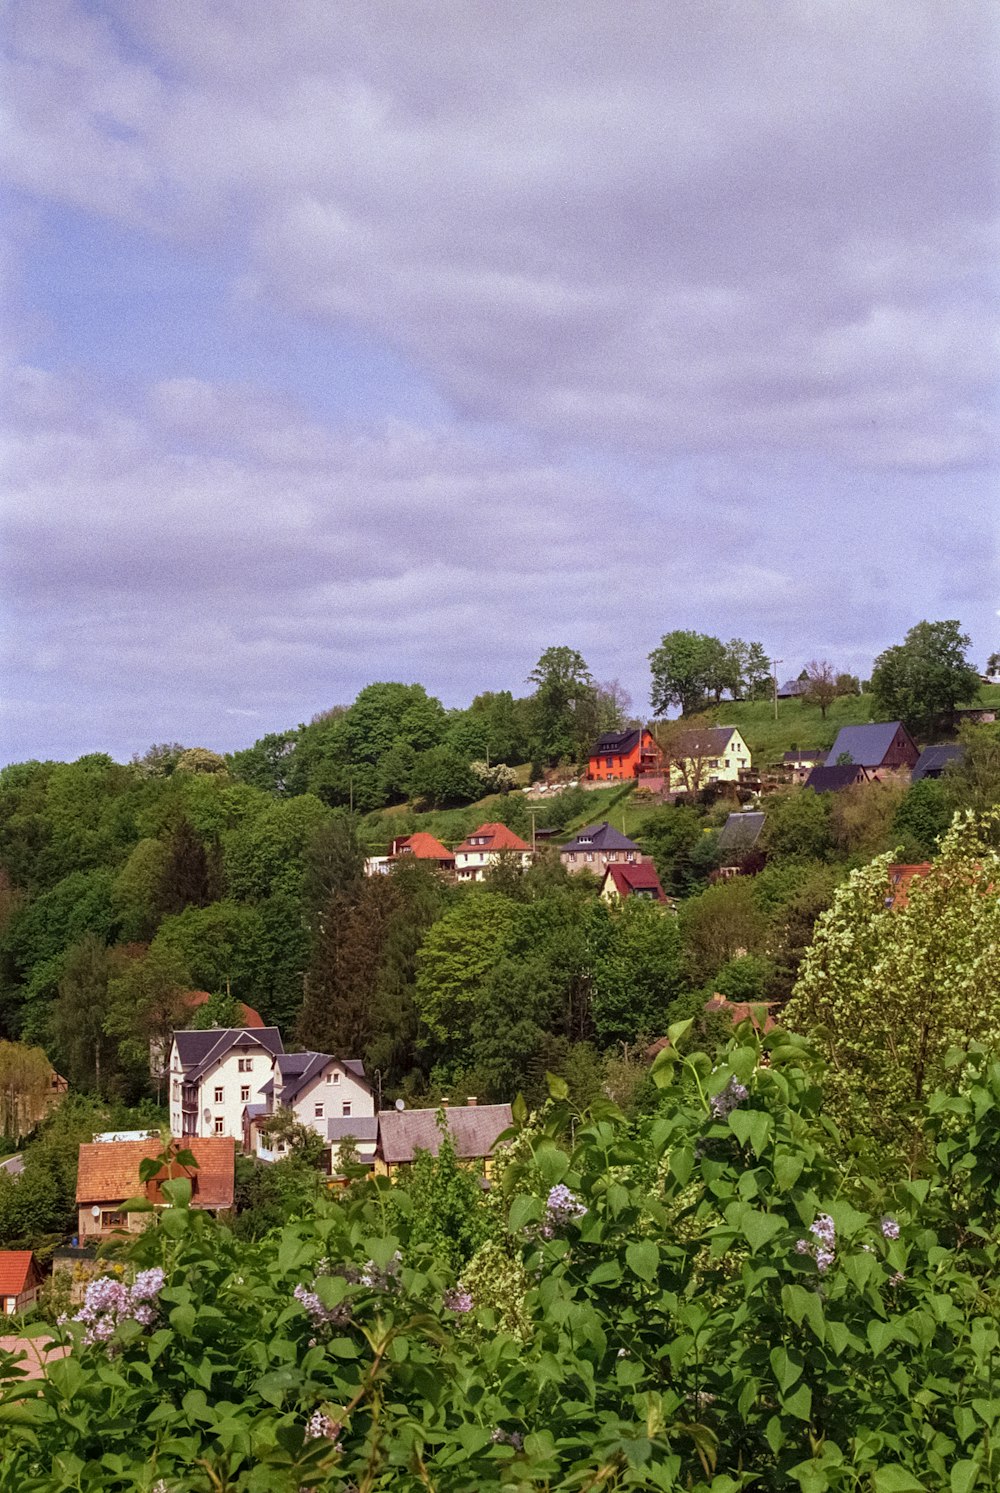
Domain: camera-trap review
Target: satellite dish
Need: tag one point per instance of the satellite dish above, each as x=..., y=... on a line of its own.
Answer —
x=206, y=1115
x=95, y=1211
x=400, y=1104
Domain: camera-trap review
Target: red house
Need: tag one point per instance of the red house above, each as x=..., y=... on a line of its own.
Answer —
x=423, y=847
x=20, y=1279
x=620, y=755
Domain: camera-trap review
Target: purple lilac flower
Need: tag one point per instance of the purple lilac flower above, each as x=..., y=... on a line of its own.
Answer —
x=458, y=1300
x=381, y=1279
x=824, y=1259
x=561, y=1207
x=825, y=1230
x=501, y=1437
x=803, y=1247
x=320, y=1315
x=731, y=1097
x=108, y=1302
x=320, y=1426
x=890, y=1228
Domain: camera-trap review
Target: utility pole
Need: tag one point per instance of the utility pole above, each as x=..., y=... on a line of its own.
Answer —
x=774, y=680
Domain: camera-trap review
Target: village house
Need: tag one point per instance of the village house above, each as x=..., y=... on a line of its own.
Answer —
x=739, y=844
x=621, y=755
x=328, y=1095
x=833, y=779
x=792, y=689
x=711, y=754
x=473, y=1129
x=108, y=1177
x=421, y=846
x=214, y=1074
x=638, y=879
x=483, y=848
x=597, y=846
x=882, y=746
x=20, y=1279
x=934, y=760
x=801, y=762
x=192, y=1001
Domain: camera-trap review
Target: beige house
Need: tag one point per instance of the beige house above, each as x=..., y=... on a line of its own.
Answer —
x=484, y=846
x=473, y=1129
x=712, y=754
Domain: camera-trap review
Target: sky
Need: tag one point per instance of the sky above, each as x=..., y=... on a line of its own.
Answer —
x=403, y=339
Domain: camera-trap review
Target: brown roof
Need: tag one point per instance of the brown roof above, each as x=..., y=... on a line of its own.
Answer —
x=109, y=1171
x=498, y=837
x=473, y=1129
x=15, y=1268
x=196, y=998
x=423, y=846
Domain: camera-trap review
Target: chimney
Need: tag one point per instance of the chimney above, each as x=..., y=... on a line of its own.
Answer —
x=472, y=1101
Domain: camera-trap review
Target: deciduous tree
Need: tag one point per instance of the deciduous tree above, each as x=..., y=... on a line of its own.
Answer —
x=922, y=680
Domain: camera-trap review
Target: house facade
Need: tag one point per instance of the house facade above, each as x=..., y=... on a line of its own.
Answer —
x=20, y=1279
x=484, y=846
x=329, y=1095
x=882, y=746
x=108, y=1177
x=420, y=846
x=714, y=754
x=598, y=846
x=618, y=756
x=215, y=1074
x=639, y=879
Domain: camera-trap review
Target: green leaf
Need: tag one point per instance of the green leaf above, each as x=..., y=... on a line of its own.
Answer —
x=800, y=1403
x=607, y=1273
x=896, y=1479
x=964, y=1475
x=751, y=1125
x=643, y=1259
x=679, y=1031
x=523, y=1210
x=787, y=1169
x=786, y=1369
x=759, y=1228
x=519, y=1111
x=558, y=1087
x=551, y=1162
x=879, y=1335
x=177, y=1191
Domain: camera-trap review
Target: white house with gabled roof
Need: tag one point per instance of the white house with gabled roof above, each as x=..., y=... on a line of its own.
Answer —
x=214, y=1074
x=329, y=1095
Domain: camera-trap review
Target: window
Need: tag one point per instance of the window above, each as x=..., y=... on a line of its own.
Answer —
x=220, y=1095
x=333, y=1077
x=176, y=1089
x=345, y=1108
x=245, y=1065
x=112, y=1218
x=590, y=855
x=220, y=1125
x=318, y=1111
x=244, y=1093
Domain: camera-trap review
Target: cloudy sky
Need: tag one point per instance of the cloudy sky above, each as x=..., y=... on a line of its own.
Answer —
x=404, y=338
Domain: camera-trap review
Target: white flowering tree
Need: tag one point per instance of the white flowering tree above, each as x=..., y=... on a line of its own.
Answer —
x=891, y=982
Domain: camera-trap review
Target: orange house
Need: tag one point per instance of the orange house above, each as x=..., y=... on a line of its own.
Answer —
x=621, y=755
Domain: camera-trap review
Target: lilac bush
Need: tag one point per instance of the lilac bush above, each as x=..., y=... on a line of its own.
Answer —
x=108, y=1302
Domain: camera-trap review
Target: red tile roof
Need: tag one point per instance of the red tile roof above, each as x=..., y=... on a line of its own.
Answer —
x=637, y=876
x=15, y=1267
x=196, y=998
x=423, y=846
x=109, y=1171
x=498, y=837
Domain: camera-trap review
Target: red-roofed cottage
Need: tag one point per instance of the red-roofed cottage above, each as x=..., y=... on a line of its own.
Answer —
x=481, y=849
x=632, y=879
x=423, y=847
x=108, y=1175
x=20, y=1279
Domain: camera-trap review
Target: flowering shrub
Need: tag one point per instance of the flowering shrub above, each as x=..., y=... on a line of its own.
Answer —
x=109, y=1302
x=671, y=1332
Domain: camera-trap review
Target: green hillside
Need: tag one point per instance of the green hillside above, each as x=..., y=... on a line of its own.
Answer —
x=801, y=725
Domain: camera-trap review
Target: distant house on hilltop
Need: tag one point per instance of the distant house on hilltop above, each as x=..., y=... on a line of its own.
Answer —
x=792, y=689
x=884, y=746
x=597, y=846
x=483, y=848
x=619, y=756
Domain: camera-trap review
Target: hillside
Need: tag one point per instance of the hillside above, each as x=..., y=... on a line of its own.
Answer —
x=801, y=725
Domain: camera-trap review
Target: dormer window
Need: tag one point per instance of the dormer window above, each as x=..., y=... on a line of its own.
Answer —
x=245, y=1065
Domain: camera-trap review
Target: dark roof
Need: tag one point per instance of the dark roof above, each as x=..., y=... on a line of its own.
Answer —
x=808, y=754
x=616, y=743
x=600, y=837
x=741, y=831
x=199, y=1050
x=362, y=1127
x=710, y=742
x=473, y=1129
x=639, y=876
x=934, y=759
x=792, y=688
x=298, y=1069
x=255, y=1111
x=830, y=779
x=866, y=745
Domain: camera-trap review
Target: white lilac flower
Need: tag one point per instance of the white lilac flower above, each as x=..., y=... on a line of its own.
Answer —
x=320, y=1315
x=561, y=1207
x=320, y=1426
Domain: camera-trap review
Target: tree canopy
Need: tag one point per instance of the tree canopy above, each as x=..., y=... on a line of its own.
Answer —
x=922, y=680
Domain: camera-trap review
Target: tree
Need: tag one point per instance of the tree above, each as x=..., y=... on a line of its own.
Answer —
x=974, y=782
x=564, y=705
x=83, y=1049
x=25, y=1088
x=993, y=666
x=862, y=815
x=201, y=760
x=922, y=680
x=687, y=668
x=690, y=749
x=798, y=826
x=721, y=924
x=456, y=960
x=268, y=764
x=639, y=974
x=847, y=684
x=889, y=988
x=146, y=1001
x=821, y=685
x=922, y=818
x=443, y=776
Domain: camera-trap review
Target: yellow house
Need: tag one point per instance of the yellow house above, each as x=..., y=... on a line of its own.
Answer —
x=710, y=754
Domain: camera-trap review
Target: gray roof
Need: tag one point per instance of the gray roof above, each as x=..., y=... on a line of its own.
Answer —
x=866, y=745
x=362, y=1127
x=792, y=688
x=741, y=831
x=934, y=759
x=615, y=742
x=710, y=742
x=473, y=1128
x=254, y=1111
x=831, y=779
x=199, y=1050
x=600, y=837
x=298, y=1069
